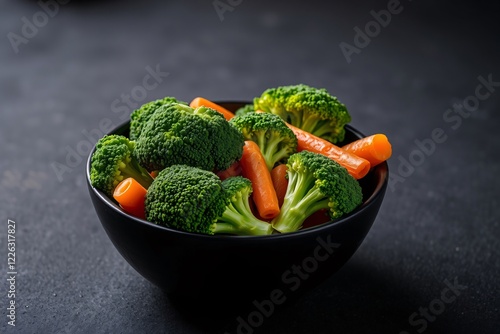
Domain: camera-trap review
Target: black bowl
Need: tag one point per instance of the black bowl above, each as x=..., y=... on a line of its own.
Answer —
x=205, y=270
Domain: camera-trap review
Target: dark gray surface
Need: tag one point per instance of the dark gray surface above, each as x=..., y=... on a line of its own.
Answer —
x=440, y=224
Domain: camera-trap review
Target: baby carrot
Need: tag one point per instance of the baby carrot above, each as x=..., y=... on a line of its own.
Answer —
x=202, y=102
x=280, y=182
x=375, y=148
x=356, y=166
x=131, y=196
x=254, y=168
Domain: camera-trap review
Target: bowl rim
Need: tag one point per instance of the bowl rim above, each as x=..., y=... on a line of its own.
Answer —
x=379, y=191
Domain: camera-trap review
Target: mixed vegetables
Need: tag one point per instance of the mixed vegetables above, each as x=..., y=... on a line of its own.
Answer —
x=270, y=167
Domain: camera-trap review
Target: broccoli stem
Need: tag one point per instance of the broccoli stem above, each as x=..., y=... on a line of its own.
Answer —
x=302, y=199
x=269, y=149
x=323, y=128
x=188, y=109
x=281, y=154
x=137, y=172
x=297, y=119
x=327, y=130
x=318, y=126
x=238, y=219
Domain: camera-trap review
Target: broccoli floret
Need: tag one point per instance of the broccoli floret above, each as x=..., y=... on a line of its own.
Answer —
x=225, y=141
x=275, y=140
x=308, y=108
x=186, y=198
x=247, y=108
x=273, y=100
x=178, y=134
x=113, y=161
x=195, y=200
x=140, y=116
x=316, y=182
x=238, y=217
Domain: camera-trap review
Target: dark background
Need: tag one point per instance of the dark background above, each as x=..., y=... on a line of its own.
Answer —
x=440, y=224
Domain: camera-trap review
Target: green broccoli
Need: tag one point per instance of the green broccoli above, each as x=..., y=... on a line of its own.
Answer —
x=178, y=134
x=316, y=182
x=113, y=161
x=195, y=200
x=275, y=140
x=140, y=116
x=308, y=108
x=247, y=108
x=238, y=217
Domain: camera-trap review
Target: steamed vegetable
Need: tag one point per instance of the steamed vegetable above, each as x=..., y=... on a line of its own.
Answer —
x=356, y=166
x=275, y=140
x=202, y=102
x=253, y=167
x=113, y=161
x=316, y=182
x=311, y=109
x=238, y=217
x=195, y=200
x=130, y=195
x=274, y=167
x=376, y=148
x=178, y=134
x=140, y=116
x=280, y=182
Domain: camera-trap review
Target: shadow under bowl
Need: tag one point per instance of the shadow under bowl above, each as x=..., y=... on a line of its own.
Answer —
x=207, y=271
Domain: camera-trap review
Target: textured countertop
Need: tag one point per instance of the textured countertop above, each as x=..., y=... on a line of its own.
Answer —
x=70, y=71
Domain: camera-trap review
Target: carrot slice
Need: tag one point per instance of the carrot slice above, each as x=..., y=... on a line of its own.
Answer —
x=202, y=102
x=375, y=148
x=356, y=166
x=131, y=196
x=254, y=168
x=280, y=182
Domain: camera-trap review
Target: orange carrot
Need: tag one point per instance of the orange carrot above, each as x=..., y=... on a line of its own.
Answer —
x=131, y=196
x=154, y=173
x=356, y=166
x=254, y=210
x=375, y=148
x=280, y=182
x=253, y=167
x=202, y=102
x=233, y=170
